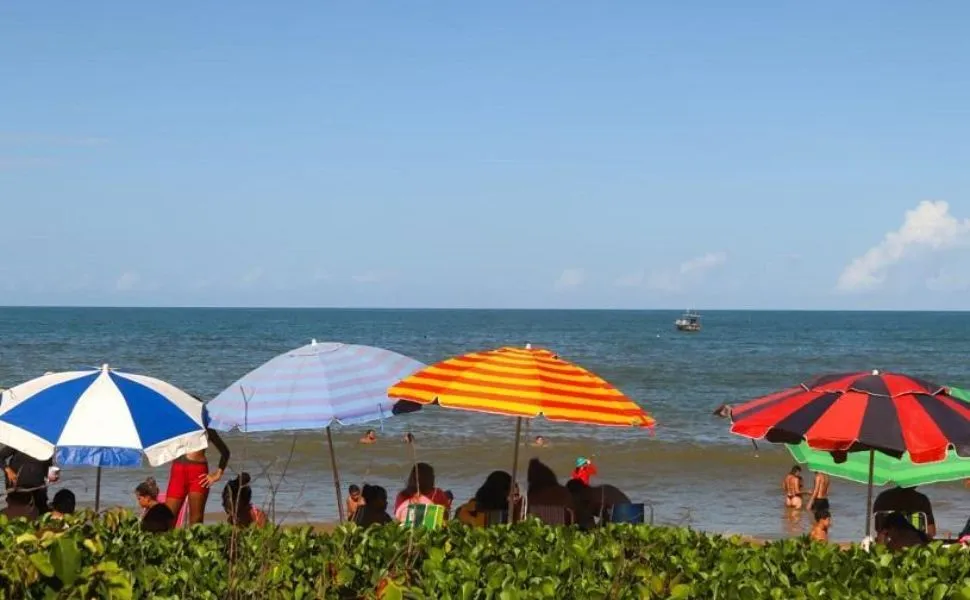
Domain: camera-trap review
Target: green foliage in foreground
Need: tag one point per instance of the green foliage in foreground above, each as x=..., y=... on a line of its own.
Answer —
x=111, y=558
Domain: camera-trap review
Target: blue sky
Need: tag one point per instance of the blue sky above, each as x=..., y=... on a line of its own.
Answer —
x=499, y=154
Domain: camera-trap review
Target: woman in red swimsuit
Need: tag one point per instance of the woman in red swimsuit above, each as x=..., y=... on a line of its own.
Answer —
x=190, y=478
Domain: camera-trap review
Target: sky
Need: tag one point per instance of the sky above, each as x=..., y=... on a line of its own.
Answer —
x=706, y=154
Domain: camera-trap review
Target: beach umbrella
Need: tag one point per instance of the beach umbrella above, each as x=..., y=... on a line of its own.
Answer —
x=886, y=413
x=313, y=387
x=101, y=418
x=886, y=469
x=524, y=383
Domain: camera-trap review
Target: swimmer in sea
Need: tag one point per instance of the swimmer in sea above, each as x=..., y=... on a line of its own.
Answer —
x=369, y=438
x=540, y=442
x=792, y=486
x=408, y=438
x=819, y=500
x=190, y=478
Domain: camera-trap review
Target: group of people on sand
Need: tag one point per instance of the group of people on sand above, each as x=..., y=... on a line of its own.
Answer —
x=581, y=503
x=189, y=485
x=903, y=515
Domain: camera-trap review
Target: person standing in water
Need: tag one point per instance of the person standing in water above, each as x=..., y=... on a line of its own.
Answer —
x=819, y=500
x=190, y=478
x=820, y=531
x=792, y=486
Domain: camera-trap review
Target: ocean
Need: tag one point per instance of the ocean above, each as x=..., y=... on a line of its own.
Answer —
x=691, y=470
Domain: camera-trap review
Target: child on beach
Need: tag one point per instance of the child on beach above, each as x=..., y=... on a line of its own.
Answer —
x=585, y=469
x=820, y=531
x=237, y=501
x=354, y=501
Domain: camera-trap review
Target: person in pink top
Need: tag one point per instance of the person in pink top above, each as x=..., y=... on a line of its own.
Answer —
x=420, y=489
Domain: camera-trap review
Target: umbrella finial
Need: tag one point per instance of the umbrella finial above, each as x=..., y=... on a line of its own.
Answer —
x=104, y=367
x=313, y=341
x=528, y=346
x=875, y=371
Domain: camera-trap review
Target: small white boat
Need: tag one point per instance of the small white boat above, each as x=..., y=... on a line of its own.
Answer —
x=689, y=321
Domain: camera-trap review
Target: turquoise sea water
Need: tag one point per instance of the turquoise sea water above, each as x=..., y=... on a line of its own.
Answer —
x=692, y=469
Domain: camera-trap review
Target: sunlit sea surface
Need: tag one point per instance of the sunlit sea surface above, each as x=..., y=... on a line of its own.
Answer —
x=692, y=471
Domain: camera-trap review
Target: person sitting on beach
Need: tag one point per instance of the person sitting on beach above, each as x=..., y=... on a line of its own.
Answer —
x=897, y=533
x=792, y=486
x=544, y=488
x=819, y=499
x=190, y=479
x=354, y=501
x=157, y=517
x=20, y=505
x=908, y=502
x=594, y=501
x=491, y=497
x=420, y=489
x=63, y=504
x=27, y=474
x=370, y=437
x=585, y=469
x=374, y=509
x=820, y=531
x=237, y=501
x=540, y=442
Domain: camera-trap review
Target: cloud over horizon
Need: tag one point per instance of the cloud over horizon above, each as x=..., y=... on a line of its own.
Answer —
x=570, y=278
x=930, y=227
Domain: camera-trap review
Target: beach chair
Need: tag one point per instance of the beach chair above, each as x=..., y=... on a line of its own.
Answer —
x=424, y=516
x=552, y=515
x=627, y=513
x=918, y=520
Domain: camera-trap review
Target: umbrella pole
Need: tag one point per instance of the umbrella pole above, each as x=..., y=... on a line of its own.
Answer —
x=515, y=466
x=872, y=465
x=97, y=491
x=336, y=476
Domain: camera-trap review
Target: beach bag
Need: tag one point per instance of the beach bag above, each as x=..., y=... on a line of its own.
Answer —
x=424, y=516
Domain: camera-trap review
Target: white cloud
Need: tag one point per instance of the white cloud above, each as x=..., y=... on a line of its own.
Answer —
x=929, y=226
x=689, y=273
x=570, y=278
x=127, y=281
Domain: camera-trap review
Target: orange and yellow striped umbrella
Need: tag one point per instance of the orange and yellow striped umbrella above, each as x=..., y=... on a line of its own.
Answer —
x=521, y=382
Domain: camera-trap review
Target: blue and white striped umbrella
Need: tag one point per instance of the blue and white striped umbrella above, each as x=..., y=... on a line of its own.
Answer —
x=313, y=386
x=101, y=418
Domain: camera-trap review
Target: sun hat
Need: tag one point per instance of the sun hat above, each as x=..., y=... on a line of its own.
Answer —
x=581, y=461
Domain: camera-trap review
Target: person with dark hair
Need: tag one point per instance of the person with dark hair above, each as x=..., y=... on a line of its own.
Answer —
x=374, y=509
x=354, y=501
x=63, y=504
x=27, y=474
x=792, y=486
x=370, y=437
x=157, y=516
x=492, y=496
x=823, y=521
x=420, y=489
x=594, y=501
x=20, y=505
x=544, y=488
x=237, y=501
x=409, y=438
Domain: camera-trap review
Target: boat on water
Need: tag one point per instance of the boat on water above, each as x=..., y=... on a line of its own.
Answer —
x=689, y=321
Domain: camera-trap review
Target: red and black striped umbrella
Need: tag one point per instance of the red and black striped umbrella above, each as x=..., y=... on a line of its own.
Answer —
x=850, y=412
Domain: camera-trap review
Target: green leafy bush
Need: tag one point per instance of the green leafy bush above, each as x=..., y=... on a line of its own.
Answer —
x=111, y=558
